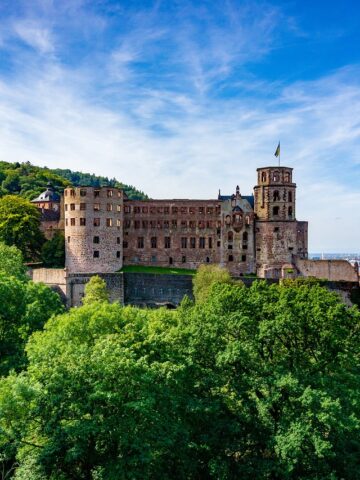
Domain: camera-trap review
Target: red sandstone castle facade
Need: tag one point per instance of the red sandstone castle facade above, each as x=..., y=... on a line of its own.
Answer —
x=104, y=230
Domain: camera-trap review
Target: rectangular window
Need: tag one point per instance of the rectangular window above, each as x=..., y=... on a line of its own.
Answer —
x=174, y=210
x=192, y=242
x=72, y=193
x=137, y=210
x=152, y=210
x=231, y=258
x=109, y=193
x=192, y=210
x=96, y=239
x=275, y=210
x=119, y=193
x=201, y=210
x=96, y=254
x=210, y=242
x=66, y=222
x=125, y=244
x=118, y=240
x=167, y=242
x=68, y=239
x=243, y=258
x=109, y=207
x=144, y=209
x=82, y=222
x=137, y=224
x=183, y=224
x=96, y=193
x=153, y=258
x=72, y=222
x=118, y=254
x=183, y=259
x=72, y=206
x=153, y=242
x=127, y=224
x=166, y=224
x=160, y=210
x=118, y=208
x=109, y=222
x=192, y=224
x=183, y=242
x=140, y=242
x=183, y=210
x=127, y=209
x=166, y=210
x=82, y=206
x=82, y=192
x=118, y=223
x=219, y=243
x=244, y=246
x=209, y=210
x=66, y=207
x=152, y=224
x=96, y=222
x=201, y=224
x=96, y=207
x=144, y=224
x=209, y=224
x=276, y=229
x=202, y=242
x=174, y=224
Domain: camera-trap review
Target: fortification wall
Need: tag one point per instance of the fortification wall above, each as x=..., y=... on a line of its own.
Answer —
x=55, y=278
x=332, y=270
x=145, y=289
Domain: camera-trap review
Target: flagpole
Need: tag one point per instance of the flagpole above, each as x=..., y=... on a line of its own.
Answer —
x=279, y=153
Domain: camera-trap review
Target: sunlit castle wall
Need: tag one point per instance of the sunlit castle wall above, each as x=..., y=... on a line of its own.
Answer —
x=93, y=229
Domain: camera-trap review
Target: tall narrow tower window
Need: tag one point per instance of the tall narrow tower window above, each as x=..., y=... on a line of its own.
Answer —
x=290, y=196
x=276, y=196
x=290, y=212
x=275, y=210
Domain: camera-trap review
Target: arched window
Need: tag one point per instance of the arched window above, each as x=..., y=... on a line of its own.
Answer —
x=276, y=196
x=230, y=236
x=228, y=219
x=287, y=177
x=276, y=176
x=263, y=177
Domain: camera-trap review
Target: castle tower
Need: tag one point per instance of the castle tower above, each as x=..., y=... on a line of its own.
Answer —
x=279, y=238
x=93, y=229
x=275, y=194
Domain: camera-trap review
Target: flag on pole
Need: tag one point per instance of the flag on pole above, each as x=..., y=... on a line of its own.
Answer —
x=277, y=151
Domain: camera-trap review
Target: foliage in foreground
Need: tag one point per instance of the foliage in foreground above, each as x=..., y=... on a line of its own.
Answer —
x=260, y=382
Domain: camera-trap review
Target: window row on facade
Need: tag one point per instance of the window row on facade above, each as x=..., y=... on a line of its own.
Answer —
x=83, y=192
x=97, y=239
x=166, y=242
x=286, y=196
x=174, y=210
x=110, y=207
x=173, y=224
x=276, y=211
x=96, y=222
x=183, y=259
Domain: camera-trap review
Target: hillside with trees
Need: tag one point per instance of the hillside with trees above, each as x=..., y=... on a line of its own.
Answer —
x=29, y=181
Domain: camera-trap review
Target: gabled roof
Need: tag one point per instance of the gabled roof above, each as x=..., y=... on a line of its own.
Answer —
x=249, y=198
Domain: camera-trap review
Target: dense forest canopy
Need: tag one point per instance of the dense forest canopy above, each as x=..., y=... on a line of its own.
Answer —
x=29, y=181
x=260, y=382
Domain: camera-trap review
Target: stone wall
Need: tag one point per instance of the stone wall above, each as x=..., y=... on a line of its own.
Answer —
x=145, y=289
x=55, y=278
x=76, y=286
x=332, y=270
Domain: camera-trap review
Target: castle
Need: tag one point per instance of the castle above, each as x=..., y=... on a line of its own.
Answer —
x=257, y=234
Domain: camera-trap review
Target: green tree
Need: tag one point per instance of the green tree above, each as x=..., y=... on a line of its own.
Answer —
x=53, y=251
x=12, y=262
x=95, y=291
x=204, y=278
x=20, y=225
x=260, y=382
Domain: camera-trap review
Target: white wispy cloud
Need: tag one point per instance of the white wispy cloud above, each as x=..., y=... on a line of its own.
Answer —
x=35, y=35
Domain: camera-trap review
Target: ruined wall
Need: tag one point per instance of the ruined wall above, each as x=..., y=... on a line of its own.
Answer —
x=182, y=233
x=277, y=243
x=93, y=229
x=332, y=270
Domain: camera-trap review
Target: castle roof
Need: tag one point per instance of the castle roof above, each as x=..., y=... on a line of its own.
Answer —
x=48, y=196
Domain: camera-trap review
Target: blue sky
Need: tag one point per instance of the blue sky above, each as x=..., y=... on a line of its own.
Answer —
x=181, y=98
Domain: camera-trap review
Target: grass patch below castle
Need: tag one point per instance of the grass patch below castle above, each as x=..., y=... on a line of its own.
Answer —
x=157, y=270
